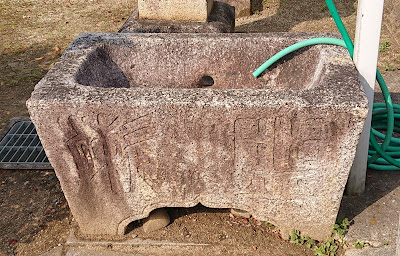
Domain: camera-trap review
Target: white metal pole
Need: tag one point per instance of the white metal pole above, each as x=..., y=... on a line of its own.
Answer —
x=368, y=30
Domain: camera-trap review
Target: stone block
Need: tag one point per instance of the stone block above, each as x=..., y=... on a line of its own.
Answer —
x=184, y=10
x=157, y=219
x=240, y=213
x=129, y=126
x=220, y=20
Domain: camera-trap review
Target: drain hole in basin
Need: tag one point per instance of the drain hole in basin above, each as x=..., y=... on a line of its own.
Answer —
x=206, y=81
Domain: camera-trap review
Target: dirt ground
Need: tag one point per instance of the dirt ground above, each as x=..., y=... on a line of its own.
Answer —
x=34, y=215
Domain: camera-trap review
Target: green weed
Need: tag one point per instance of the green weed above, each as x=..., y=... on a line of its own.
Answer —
x=359, y=244
x=328, y=248
x=384, y=46
x=341, y=227
x=389, y=67
x=297, y=238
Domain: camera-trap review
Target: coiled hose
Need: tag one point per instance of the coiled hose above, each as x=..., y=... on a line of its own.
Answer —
x=385, y=116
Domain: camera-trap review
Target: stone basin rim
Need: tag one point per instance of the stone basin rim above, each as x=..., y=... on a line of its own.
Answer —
x=175, y=54
x=64, y=86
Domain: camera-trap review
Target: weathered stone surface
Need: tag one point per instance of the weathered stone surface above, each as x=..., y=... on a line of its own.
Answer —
x=242, y=7
x=240, y=213
x=188, y=10
x=157, y=219
x=220, y=20
x=129, y=128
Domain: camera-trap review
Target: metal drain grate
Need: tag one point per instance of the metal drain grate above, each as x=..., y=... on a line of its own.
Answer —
x=20, y=148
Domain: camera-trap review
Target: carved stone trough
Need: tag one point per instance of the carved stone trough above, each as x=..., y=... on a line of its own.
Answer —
x=135, y=122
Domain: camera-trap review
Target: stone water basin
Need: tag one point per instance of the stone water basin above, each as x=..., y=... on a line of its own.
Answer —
x=136, y=122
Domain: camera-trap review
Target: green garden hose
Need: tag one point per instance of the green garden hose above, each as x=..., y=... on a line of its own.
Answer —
x=295, y=47
x=384, y=156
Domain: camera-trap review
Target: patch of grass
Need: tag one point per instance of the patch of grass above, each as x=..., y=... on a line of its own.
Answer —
x=34, y=34
x=384, y=46
x=323, y=7
x=390, y=67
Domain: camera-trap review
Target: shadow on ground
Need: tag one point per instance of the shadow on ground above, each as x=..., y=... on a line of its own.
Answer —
x=378, y=185
x=290, y=13
x=29, y=201
x=20, y=71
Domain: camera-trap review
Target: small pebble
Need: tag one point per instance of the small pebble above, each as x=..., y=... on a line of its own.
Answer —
x=12, y=241
x=26, y=182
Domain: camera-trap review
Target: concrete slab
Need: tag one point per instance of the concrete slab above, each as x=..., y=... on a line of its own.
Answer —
x=389, y=250
x=377, y=224
x=86, y=252
x=74, y=241
x=398, y=239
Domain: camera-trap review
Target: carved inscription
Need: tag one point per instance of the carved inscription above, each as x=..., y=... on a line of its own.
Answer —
x=100, y=146
x=254, y=152
x=267, y=151
x=91, y=149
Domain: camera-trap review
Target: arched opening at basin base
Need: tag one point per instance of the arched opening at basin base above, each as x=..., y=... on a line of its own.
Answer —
x=187, y=222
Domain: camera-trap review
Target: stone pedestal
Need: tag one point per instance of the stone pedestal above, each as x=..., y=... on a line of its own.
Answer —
x=183, y=10
x=220, y=20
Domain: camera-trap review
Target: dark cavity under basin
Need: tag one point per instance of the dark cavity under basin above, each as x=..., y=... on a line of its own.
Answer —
x=165, y=63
